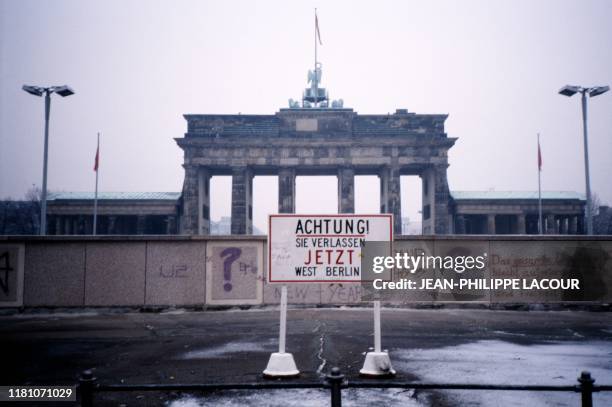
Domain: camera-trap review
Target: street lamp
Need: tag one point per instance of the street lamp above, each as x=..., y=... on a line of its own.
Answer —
x=63, y=91
x=569, y=90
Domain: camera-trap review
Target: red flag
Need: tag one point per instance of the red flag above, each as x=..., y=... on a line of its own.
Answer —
x=539, y=157
x=97, y=159
x=317, y=28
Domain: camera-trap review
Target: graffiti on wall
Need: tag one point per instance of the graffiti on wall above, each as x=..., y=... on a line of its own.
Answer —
x=174, y=271
x=234, y=273
x=588, y=262
x=334, y=293
x=296, y=293
x=11, y=275
x=342, y=293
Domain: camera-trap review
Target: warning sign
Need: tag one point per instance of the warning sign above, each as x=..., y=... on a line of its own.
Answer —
x=322, y=248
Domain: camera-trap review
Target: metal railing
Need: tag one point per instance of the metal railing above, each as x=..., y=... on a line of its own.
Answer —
x=335, y=382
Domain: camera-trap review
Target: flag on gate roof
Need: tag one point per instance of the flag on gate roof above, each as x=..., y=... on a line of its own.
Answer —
x=539, y=156
x=97, y=160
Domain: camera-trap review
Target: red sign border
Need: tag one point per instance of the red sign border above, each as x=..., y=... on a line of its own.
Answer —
x=339, y=215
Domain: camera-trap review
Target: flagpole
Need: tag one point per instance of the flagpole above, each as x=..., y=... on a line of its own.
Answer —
x=540, y=224
x=95, y=215
x=316, y=81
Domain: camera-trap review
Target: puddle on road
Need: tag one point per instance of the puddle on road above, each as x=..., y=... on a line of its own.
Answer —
x=486, y=361
x=230, y=348
x=304, y=398
x=501, y=362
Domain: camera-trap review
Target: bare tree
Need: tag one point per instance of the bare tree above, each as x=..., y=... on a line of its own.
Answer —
x=21, y=217
x=602, y=216
x=4, y=214
x=33, y=196
x=595, y=204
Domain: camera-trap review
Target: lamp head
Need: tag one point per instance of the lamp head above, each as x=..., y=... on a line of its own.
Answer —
x=569, y=90
x=33, y=90
x=598, y=90
x=63, y=91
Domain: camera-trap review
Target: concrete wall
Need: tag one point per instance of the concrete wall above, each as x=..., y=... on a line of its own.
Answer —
x=230, y=270
x=587, y=259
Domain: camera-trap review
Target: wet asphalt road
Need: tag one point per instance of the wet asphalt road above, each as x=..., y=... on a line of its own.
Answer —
x=234, y=346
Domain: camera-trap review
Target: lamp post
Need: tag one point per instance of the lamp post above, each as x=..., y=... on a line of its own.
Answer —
x=569, y=90
x=63, y=91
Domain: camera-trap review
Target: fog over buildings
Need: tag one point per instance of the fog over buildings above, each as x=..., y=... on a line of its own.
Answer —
x=138, y=66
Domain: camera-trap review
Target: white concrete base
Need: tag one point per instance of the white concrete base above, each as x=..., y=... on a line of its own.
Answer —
x=377, y=364
x=281, y=365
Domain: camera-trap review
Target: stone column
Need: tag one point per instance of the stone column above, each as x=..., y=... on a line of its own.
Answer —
x=427, y=182
x=286, y=190
x=441, y=201
x=436, y=199
x=58, y=225
x=141, y=224
x=573, y=225
x=88, y=225
x=551, y=225
x=83, y=225
x=112, y=220
x=395, y=202
x=242, y=201
x=67, y=225
x=384, y=190
x=521, y=224
x=491, y=224
x=189, y=218
x=562, y=225
x=203, y=201
x=346, y=190
x=390, y=195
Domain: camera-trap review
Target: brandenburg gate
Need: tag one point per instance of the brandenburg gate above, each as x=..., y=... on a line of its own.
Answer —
x=314, y=138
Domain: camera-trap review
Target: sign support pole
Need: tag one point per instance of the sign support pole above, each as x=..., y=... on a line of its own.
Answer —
x=283, y=320
x=377, y=363
x=377, y=346
x=281, y=364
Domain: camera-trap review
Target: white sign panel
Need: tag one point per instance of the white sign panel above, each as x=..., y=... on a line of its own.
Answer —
x=322, y=248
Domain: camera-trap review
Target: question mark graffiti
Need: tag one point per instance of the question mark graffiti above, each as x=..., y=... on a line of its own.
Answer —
x=230, y=254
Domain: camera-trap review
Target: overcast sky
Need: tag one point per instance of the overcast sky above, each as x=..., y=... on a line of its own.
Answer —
x=138, y=66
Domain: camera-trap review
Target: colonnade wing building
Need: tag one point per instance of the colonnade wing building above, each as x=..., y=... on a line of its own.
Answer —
x=317, y=141
x=119, y=213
